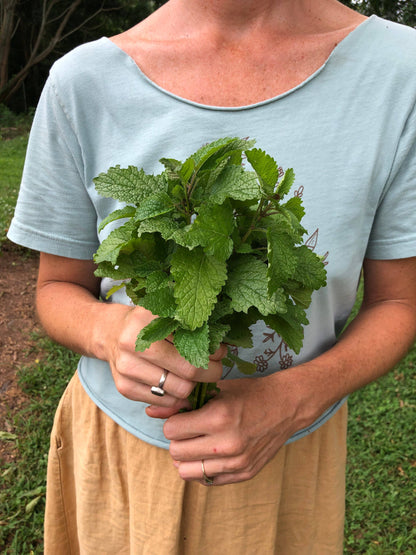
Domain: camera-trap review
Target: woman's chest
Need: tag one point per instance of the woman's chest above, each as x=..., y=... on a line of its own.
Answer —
x=231, y=75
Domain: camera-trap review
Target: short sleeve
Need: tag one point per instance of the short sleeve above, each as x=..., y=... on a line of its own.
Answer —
x=54, y=212
x=393, y=234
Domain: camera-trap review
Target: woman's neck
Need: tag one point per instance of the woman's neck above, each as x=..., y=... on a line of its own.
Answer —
x=234, y=20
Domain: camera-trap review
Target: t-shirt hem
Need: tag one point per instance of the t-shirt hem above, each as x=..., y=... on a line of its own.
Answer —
x=119, y=419
x=390, y=250
x=102, y=405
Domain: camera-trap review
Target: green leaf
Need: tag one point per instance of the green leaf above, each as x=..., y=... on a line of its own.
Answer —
x=136, y=289
x=171, y=164
x=282, y=260
x=300, y=294
x=294, y=204
x=129, y=185
x=211, y=229
x=164, y=225
x=244, y=366
x=310, y=270
x=247, y=287
x=240, y=334
x=211, y=154
x=236, y=183
x=155, y=205
x=286, y=183
x=289, y=326
x=186, y=170
x=157, y=280
x=157, y=330
x=199, y=279
x=265, y=167
x=114, y=289
x=118, y=239
x=217, y=332
x=126, y=212
x=193, y=345
x=160, y=303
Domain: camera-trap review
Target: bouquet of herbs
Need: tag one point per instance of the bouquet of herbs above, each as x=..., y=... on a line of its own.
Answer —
x=211, y=247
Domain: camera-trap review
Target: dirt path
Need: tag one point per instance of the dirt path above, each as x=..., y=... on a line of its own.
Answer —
x=17, y=321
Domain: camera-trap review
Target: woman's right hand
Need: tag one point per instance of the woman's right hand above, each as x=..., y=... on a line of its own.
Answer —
x=68, y=307
x=136, y=372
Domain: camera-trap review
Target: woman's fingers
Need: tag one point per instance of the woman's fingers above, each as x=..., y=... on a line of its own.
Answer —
x=136, y=372
x=165, y=355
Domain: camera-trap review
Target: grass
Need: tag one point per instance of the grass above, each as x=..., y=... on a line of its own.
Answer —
x=22, y=495
x=381, y=476
x=13, y=142
x=12, y=153
x=381, y=473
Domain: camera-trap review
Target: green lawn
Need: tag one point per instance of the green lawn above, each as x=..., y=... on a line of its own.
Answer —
x=381, y=477
x=12, y=154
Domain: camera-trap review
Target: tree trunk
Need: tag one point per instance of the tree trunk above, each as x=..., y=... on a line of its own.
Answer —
x=8, y=87
x=7, y=27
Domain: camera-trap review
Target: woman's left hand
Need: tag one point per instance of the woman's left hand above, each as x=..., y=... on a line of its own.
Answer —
x=236, y=433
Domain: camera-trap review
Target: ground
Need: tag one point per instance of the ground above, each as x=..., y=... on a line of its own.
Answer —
x=17, y=322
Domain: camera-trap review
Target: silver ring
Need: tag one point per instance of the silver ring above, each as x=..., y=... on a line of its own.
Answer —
x=209, y=481
x=158, y=389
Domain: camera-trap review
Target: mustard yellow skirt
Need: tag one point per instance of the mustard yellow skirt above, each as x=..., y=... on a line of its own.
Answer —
x=110, y=493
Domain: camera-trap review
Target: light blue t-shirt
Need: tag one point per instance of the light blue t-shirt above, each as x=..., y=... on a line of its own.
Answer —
x=349, y=132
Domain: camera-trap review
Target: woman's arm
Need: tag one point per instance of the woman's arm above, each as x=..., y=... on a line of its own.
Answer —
x=239, y=431
x=71, y=313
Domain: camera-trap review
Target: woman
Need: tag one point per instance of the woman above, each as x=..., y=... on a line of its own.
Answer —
x=325, y=91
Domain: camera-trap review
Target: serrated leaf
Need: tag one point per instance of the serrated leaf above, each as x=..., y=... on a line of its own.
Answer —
x=244, y=366
x=135, y=289
x=157, y=330
x=157, y=280
x=171, y=164
x=160, y=303
x=301, y=295
x=118, y=239
x=236, y=183
x=211, y=230
x=199, y=279
x=247, y=287
x=265, y=167
x=160, y=224
x=207, y=156
x=217, y=332
x=282, y=260
x=297, y=230
x=221, y=309
x=294, y=204
x=289, y=326
x=240, y=334
x=129, y=185
x=286, y=183
x=186, y=170
x=154, y=205
x=310, y=270
x=126, y=212
x=193, y=345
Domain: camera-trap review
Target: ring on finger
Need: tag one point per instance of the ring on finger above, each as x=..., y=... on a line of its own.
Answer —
x=158, y=389
x=208, y=481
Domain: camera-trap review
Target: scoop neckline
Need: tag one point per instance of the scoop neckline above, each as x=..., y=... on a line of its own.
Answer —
x=357, y=30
